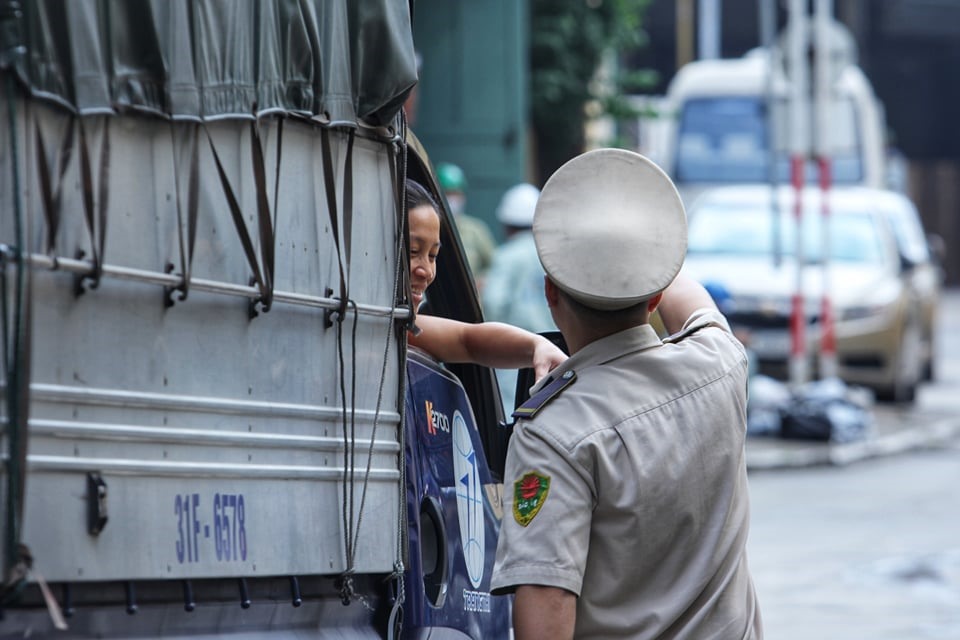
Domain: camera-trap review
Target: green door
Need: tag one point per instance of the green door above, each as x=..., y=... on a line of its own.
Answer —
x=472, y=105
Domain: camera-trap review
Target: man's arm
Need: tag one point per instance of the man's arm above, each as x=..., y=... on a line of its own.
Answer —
x=684, y=296
x=543, y=613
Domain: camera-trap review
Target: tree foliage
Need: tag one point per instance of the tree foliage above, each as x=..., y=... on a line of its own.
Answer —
x=569, y=39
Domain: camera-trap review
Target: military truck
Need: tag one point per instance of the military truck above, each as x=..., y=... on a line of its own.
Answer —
x=211, y=420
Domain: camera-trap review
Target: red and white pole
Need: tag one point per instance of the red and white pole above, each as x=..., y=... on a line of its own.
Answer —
x=798, y=73
x=823, y=14
x=828, y=332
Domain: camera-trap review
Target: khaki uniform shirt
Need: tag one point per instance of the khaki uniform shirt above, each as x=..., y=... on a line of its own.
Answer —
x=629, y=488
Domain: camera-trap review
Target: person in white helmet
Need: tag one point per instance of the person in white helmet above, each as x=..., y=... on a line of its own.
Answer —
x=626, y=503
x=513, y=290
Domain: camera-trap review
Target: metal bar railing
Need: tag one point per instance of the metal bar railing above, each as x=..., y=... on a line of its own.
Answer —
x=193, y=436
x=48, y=463
x=205, y=404
x=171, y=280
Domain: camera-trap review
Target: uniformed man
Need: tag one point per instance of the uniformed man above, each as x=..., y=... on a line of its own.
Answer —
x=626, y=509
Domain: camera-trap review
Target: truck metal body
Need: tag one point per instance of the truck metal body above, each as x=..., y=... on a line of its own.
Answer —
x=208, y=421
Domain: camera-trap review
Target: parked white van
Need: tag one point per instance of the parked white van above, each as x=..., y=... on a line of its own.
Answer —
x=721, y=131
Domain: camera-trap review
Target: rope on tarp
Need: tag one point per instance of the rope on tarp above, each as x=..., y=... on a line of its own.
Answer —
x=15, y=321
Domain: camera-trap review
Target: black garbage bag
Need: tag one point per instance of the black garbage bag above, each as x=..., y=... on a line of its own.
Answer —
x=826, y=411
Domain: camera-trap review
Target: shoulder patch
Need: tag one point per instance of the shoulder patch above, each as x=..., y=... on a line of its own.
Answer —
x=540, y=399
x=529, y=494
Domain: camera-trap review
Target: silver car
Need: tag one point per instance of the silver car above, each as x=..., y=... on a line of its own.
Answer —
x=883, y=285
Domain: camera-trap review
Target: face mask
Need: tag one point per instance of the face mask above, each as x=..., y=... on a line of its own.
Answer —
x=456, y=202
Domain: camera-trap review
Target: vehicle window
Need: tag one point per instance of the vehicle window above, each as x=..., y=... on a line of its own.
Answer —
x=730, y=231
x=727, y=139
x=911, y=240
x=751, y=232
x=846, y=147
x=722, y=140
x=856, y=238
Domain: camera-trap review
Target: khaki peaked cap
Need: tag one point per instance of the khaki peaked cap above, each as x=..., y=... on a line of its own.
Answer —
x=610, y=229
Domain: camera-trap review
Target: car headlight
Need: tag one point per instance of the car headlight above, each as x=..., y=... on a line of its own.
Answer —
x=877, y=304
x=864, y=311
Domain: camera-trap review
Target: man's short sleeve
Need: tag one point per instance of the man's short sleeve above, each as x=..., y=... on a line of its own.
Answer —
x=705, y=317
x=548, y=502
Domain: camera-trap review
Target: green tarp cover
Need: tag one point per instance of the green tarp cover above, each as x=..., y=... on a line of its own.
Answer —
x=343, y=60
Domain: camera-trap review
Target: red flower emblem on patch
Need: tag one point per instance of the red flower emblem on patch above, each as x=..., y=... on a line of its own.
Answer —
x=529, y=486
x=529, y=494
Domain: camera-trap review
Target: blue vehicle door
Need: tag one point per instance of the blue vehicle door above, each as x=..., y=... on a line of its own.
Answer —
x=454, y=509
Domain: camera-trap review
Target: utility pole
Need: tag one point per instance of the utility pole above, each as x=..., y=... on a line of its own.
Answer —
x=767, y=12
x=709, y=14
x=685, y=51
x=823, y=76
x=798, y=73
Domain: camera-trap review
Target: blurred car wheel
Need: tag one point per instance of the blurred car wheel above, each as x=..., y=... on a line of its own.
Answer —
x=909, y=368
x=929, y=364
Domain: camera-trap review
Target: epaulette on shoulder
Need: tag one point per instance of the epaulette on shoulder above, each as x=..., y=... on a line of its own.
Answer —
x=686, y=333
x=540, y=399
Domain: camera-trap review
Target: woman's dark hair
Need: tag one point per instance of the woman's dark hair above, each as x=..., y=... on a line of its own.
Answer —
x=418, y=196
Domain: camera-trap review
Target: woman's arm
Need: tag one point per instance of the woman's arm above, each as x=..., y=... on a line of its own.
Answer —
x=491, y=344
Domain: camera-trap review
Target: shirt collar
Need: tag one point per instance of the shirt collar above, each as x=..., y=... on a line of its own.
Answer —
x=604, y=350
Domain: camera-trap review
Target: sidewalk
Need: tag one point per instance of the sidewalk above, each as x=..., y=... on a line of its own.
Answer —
x=934, y=420
x=895, y=431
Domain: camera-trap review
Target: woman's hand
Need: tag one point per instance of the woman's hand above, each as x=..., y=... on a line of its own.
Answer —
x=546, y=357
x=491, y=344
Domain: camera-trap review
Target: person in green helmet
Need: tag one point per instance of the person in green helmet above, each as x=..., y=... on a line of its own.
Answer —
x=475, y=235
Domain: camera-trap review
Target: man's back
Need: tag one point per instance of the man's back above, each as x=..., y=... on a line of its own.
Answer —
x=647, y=486
x=627, y=507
